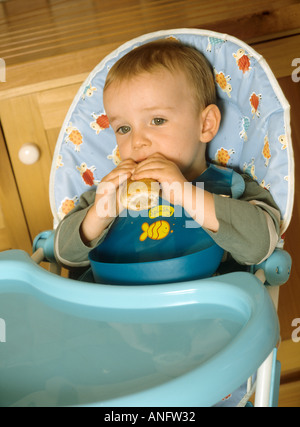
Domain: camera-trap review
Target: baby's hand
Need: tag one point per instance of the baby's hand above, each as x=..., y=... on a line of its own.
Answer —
x=167, y=173
x=107, y=197
x=106, y=206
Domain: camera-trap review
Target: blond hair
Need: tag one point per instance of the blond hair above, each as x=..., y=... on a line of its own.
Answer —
x=173, y=56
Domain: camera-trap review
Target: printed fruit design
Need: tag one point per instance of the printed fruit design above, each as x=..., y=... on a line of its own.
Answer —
x=266, y=150
x=222, y=81
x=264, y=185
x=88, y=91
x=250, y=169
x=245, y=127
x=226, y=397
x=222, y=156
x=242, y=60
x=172, y=39
x=87, y=174
x=254, y=102
x=66, y=206
x=59, y=162
x=74, y=136
x=101, y=122
x=115, y=156
x=283, y=141
x=213, y=41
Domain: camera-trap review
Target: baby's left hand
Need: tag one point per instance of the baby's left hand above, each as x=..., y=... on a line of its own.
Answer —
x=167, y=173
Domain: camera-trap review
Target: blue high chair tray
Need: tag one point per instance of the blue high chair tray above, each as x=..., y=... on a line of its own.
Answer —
x=75, y=344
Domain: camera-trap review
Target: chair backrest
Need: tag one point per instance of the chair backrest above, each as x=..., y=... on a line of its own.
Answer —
x=254, y=136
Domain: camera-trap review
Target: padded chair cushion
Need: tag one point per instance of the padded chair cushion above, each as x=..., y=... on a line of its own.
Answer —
x=254, y=136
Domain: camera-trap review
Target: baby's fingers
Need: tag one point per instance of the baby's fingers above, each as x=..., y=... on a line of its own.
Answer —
x=121, y=173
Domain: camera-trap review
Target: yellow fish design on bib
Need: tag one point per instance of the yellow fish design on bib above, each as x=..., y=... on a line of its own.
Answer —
x=156, y=231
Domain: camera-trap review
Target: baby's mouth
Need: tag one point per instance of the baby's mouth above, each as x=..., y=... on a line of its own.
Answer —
x=141, y=160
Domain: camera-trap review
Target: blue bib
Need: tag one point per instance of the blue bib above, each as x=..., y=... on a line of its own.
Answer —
x=165, y=231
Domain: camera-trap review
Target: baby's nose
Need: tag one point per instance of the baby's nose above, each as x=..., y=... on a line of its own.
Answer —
x=139, y=139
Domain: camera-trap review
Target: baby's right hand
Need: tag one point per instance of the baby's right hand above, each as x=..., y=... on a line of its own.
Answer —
x=107, y=200
x=106, y=206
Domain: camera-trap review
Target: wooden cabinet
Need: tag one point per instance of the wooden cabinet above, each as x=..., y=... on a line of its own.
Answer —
x=14, y=232
x=35, y=118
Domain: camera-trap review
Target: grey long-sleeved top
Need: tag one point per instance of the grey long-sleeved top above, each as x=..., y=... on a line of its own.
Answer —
x=248, y=227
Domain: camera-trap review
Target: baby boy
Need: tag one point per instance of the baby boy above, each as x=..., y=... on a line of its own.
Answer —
x=161, y=102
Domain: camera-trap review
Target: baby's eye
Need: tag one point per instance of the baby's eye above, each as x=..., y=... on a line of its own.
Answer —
x=158, y=121
x=123, y=130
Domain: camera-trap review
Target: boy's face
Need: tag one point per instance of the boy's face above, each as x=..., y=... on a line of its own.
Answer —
x=156, y=113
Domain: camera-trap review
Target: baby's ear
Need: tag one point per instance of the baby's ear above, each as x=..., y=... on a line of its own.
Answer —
x=210, y=123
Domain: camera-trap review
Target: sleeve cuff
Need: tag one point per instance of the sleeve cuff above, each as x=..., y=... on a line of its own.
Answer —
x=70, y=250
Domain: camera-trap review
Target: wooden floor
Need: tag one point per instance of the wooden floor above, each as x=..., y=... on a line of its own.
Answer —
x=41, y=40
x=63, y=35
x=43, y=28
x=289, y=357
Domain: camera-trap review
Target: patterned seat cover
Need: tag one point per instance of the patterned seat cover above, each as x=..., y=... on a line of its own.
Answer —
x=254, y=136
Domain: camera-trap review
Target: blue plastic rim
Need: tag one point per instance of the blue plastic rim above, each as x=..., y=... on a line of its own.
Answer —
x=198, y=265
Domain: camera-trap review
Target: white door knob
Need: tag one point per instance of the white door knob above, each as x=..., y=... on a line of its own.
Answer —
x=29, y=154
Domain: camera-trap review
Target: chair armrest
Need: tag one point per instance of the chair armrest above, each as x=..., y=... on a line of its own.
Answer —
x=45, y=241
x=277, y=267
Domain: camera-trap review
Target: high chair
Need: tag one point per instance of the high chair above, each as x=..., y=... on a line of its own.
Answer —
x=192, y=342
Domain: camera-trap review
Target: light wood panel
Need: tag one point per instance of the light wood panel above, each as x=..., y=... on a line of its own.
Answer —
x=53, y=106
x=65, y=39
x=22, y=123
x=13, y=228
x=289, y=357
x=289, y=395
x=65, y=26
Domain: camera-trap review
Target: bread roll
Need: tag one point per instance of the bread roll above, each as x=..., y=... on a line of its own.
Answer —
x=140, y=195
